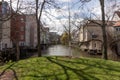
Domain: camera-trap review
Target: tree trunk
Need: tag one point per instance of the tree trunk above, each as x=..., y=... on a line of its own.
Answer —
x=39, y=37
x=38, y=29
x=104, y=48
x=38, y=20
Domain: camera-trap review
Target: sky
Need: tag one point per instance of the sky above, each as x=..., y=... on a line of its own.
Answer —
x=56, y=18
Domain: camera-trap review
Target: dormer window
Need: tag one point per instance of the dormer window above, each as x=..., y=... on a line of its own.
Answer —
x=94, y=35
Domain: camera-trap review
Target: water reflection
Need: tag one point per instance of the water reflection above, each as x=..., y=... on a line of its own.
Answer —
x=57, y=50
x=61, y=50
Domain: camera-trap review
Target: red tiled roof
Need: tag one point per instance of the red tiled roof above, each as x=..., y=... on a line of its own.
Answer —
x=117, y=24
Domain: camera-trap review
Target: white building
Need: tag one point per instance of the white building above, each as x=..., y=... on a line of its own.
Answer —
x=30, y=39
x=5, y=35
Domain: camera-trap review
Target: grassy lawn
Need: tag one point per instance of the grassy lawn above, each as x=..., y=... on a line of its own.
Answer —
x=61, y=68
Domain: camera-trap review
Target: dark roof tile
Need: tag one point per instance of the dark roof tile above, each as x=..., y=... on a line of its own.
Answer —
x=118, y=13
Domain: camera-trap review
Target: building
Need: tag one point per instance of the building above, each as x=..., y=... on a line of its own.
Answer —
x=116, y=30
x=54, y=38
x=91, y=37
x=31, y=30
x=45, y=35
x=18, y=23
x=20, y=28
x=5, y=41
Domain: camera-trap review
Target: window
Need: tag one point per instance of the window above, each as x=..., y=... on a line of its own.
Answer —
x=95, y=45
x=22, y=37
x=5, y=45
x=22, y=28
x=117, y=29
x=22, y=44
x=94, y=35
x=22, y=20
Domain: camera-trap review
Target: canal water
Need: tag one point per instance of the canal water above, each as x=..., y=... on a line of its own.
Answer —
x=61, y=50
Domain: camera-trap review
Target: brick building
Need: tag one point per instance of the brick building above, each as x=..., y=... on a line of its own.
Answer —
x=18, y=28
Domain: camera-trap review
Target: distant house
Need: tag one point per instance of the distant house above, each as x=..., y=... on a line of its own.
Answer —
x=91, y=36
x=116, y=29
x=54, y=37
x=75, y=36
x=116, y=26
x=45, y=35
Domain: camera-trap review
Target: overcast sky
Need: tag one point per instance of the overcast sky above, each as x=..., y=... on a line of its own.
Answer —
x=56, y=18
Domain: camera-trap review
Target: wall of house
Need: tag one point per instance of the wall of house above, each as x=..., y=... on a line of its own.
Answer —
x=95, y=45
x=118, y=46
x=86, y=35
x=6, y=41
x=96, y=30
x=33, y=35
x=18, y=28
x=29, y=30
x=83, y=35
x=117, y=32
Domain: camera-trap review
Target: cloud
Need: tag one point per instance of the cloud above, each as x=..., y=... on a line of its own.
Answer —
x=54, y=16
x=64, y=0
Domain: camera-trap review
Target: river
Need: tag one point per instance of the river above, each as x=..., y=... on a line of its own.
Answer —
x=61, y=50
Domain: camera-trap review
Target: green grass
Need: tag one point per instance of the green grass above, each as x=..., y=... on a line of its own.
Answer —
x=61, y=68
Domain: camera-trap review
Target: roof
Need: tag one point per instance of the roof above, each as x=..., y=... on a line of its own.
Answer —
x=117, y=24
x=99, y=22
x=118, y=13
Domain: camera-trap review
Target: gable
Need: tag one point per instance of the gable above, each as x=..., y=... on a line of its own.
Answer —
x=116, y=17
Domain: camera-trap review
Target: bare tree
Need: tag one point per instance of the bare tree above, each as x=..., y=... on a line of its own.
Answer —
x=103, y=26
x=39, y=9
x=104, y=19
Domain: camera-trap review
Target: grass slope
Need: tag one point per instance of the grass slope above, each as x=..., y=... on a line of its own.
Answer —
x=61, y=68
